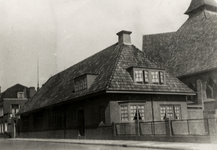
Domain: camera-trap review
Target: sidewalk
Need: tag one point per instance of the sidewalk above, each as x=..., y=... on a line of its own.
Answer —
x=123, y=143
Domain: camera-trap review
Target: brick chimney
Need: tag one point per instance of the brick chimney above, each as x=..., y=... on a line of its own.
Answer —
x=124, y=37
x=32, y=91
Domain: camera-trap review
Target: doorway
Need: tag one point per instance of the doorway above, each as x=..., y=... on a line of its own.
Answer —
x=81, y=126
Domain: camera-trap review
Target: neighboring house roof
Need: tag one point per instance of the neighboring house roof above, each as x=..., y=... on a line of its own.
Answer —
x=201, y=4
x=193, y=48
x=111, y=66
x=12, y=91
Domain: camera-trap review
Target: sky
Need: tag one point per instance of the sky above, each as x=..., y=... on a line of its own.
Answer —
x=61, y=33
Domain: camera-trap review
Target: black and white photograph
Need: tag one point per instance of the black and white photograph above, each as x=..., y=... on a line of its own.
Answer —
x=108, y=74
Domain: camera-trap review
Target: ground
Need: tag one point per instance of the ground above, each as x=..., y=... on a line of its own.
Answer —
x=6, y=144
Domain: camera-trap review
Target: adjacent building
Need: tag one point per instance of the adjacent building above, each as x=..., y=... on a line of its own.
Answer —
x=11, y=100
x=117, y=86
x=190, y=54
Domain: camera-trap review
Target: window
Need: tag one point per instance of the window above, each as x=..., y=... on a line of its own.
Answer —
x=211, y=89
x=130, y=112
x=151, y=76
x=139, y=76
x=80, y=84
x=20, y=95
x=1, y=111
x=155, y=76
x=172, y=112
x=0, y=128
x=6, y=127
x=14, y=109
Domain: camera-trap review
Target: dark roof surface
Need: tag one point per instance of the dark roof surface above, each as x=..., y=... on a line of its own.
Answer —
x=192, y=49
x=196, y=4
x=111, y=66
x=12, y=91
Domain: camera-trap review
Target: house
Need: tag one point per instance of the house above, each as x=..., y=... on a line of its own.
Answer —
x=11, y=100
x=103, y=94
x=190, y=54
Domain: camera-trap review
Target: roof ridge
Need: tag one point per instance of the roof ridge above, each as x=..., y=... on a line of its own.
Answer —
x=116, y=63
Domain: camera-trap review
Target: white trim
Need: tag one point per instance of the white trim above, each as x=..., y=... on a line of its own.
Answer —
x=145, y=92
x=12, y=99
x=209, y=100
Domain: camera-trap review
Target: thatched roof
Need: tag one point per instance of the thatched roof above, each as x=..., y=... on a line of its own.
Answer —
x=193, y=48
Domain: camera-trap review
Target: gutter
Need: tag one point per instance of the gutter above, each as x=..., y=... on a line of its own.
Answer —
x=148, y=92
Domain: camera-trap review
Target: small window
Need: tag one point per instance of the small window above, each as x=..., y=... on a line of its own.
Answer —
x=172, y=112
x=146, y=76
x=211, y=89
x=152, y=76
x=155, y=76
x=139, y=76
x=135, y=112
x=80, y=84
x=14, y=109
x=20, y=95
x=124, y=113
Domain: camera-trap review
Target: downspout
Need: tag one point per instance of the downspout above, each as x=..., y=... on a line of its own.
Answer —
x=152, y=109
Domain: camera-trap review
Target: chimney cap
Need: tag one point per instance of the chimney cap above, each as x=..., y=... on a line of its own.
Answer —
x=124, y=32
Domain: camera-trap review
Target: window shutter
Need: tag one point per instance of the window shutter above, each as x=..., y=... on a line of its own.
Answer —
x=146, y=76
x=161, y=77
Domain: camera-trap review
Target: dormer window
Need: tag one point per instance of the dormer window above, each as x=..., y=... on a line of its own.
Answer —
x=80, y=84
x=20, y=95
x=83, y=82
x=147, y=76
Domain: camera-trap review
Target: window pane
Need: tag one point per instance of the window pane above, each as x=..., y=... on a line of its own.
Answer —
x=138, y=76
x=146, y=76
x=124, y=113
x=154, y=77
x=161, y=77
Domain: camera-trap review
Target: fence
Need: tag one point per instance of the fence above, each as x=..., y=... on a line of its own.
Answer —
x=187, y=127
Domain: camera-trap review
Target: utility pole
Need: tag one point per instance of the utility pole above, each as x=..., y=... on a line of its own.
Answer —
x=37, y=75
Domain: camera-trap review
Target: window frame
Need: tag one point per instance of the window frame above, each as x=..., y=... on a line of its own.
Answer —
x=80, y=83
x=147, y=76
x=20, y=93
x=16, y=109
x=129, y=104
x=173, y=111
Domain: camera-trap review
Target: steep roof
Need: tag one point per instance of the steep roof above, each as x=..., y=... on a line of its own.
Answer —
x=12, y=91
x=199, y=5
x=193, y=48
x=111, y=66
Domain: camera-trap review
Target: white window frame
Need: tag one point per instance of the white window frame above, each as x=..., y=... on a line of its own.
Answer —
x=20, y=93
x=129, y=112
x=173, y=111
x=147, y=77
x=16, y=110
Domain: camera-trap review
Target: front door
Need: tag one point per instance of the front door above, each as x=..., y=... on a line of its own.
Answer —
x=81, y=122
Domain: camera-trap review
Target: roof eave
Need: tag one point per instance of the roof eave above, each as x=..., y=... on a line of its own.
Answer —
x=150, y=92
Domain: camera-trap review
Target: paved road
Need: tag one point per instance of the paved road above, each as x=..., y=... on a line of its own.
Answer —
x=30, y=145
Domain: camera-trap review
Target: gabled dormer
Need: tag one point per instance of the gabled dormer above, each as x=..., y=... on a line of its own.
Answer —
x=142, y=75
x=84, y=81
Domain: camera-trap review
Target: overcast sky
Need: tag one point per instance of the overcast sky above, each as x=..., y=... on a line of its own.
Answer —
x=60, y=33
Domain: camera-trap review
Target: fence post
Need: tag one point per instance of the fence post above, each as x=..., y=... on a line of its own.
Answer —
x=113, y=129
x=168, y=127
x=188, y=128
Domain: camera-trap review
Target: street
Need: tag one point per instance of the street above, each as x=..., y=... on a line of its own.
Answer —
x=30, y=145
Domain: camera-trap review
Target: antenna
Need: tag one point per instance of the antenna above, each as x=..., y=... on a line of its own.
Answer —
x=37, y=75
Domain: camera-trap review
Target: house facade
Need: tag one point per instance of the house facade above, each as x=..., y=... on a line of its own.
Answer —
x=11, y=100
x=190, y=54
x=110, y=93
